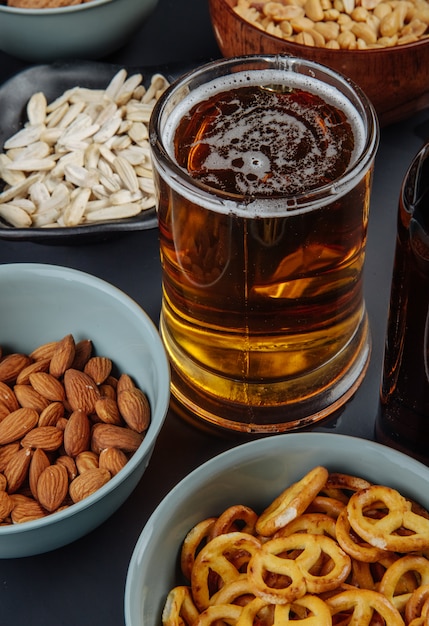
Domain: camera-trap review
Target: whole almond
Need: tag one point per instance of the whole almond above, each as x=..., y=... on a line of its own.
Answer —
x=52, y=487
x=99, y=368
x=27, y=511
x=11, y=365
x=112, y=436
x=44, y=351
x=38, y=366
x=6, y=505
x=50, y=416
x=16, y=470
x=83, y=351
x=113, y=460
x=48, y=386
x=86, y=460
x=3, y=482
x=63, y=356
x=30, y=398
x=48, y=438
x=87, y=483
x=6, y=452
x=69, y=464
x=107, y=391
x=17, y=424
x=39, y=462
x=124, y=382
x=3, y=410
x=77, y=433
x=108, y=411
x=81, y=391
x=8, y=397
x=135, y=409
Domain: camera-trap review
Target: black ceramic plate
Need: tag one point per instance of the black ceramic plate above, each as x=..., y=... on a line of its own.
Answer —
x=53, y=80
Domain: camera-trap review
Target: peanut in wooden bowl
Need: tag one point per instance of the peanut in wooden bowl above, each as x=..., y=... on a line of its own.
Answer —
x=395, y=78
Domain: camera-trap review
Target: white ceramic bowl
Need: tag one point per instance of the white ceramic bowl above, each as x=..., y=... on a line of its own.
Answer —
x=41, y=303
x=253, y=474
x=83, y=31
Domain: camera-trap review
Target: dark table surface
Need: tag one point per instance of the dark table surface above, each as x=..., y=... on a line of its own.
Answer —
x=83, y=583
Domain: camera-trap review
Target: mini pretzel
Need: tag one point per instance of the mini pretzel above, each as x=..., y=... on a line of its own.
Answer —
x=278, y=578
x=179, y=609
x=361, y=604
x=238, y=591
x=314, y=523
x=227, y=613
x=389, y=584
x=235, y=518
x=307, y=611
x=219, y=562
x=352, y=544
x=291, y=502
x=341, y=486
x=418, y=604
x=382, y=533
x=194, y=540
x=327, y=505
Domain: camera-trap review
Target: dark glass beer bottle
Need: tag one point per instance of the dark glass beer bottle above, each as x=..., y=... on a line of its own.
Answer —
x=403, y=418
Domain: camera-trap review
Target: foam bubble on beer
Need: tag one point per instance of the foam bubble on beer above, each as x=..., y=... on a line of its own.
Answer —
x=289, y=152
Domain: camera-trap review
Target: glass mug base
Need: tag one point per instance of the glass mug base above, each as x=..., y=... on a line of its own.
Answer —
x=208, y=400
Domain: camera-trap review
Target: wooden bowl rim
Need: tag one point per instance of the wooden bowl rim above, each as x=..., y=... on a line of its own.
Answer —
x=291, y=44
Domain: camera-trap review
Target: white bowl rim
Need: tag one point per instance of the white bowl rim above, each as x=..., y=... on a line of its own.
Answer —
x=233, y=457
x=153, y=431
x=75, y=8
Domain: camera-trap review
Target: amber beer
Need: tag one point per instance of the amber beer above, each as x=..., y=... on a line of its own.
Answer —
x=263, y=179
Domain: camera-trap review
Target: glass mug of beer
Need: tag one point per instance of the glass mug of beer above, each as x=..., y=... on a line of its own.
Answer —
x=263, y=169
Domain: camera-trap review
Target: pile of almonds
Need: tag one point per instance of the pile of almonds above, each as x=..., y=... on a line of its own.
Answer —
x=340, y=24
x=67, y=425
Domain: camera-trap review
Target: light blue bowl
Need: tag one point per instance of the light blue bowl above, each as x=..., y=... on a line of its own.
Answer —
x=83, y=31
x=252, y=474
x=41, y=303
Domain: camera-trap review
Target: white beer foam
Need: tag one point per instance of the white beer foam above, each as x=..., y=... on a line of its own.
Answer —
x=245, y=160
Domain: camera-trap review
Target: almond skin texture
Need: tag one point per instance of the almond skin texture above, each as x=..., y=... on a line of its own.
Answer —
x=69, y=464
x=83, y=351
x=48, y=438
x=7, y=452
x=50, y=416
x=81, y=391
x=52, y=487
x=77, y=433
x=87, y=483
x=27, y=511
x=111, y=436
x=17, y=424
x=39, y=463
x=38, y=366
x=45, y=351
x=87, y=460
x=63, y=356
x=48, y=386
x=8, y=397
x=30, y=398
x=108, y=411
x=99, y=368
x=11, y=365
x=135, y=409
x=17, y=469
x=113, y=460
x=6, y=505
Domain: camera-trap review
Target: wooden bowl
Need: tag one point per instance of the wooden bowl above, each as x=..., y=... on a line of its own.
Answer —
x=396, y=79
